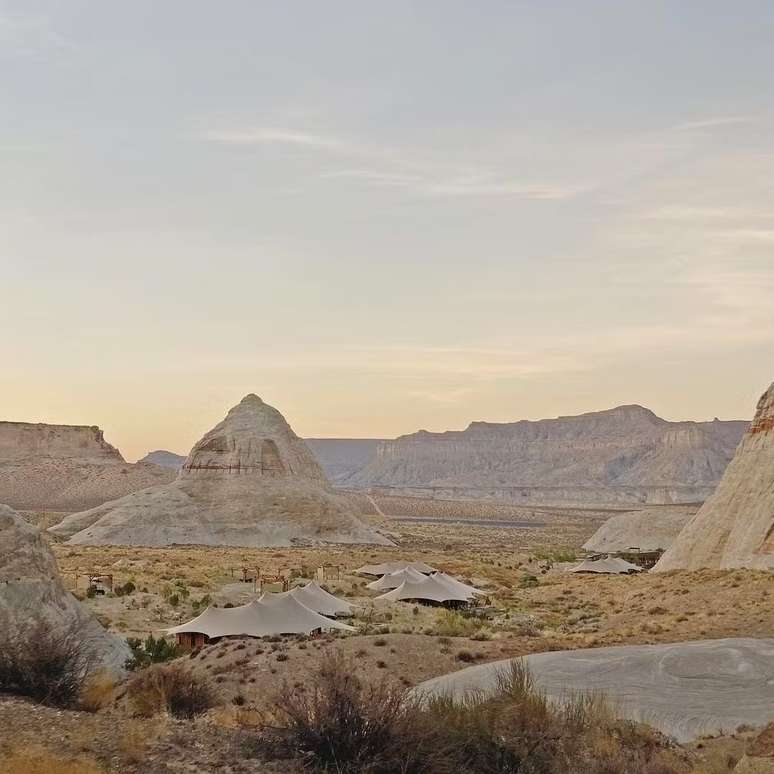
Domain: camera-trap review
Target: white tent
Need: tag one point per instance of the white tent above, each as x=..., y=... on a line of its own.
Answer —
x=389, y=567
x=608, y=566
x=428, y=589
x=316, y=598
x=394, y=579
x=259, y=618
x=456, y=585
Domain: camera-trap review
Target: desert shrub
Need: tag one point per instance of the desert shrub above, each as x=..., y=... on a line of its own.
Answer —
x=170, y=688
x=528, y=581
x=46, y=665
x=347, y=725
x=150, y=651
x=448, y=623
x=97, y=691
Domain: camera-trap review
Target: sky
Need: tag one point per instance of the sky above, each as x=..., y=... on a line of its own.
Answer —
x=382, y=217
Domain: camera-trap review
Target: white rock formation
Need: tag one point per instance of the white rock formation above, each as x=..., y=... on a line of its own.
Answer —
x=649, y=529
x=735, y=527
x=32, y=593
x=250, y=481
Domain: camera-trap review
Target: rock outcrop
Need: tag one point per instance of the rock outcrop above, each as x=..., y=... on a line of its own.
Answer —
x=32, y=594
x=735, y=527
x=626, y=455
x=66, y=468
x=649, y=529
x=250, y=481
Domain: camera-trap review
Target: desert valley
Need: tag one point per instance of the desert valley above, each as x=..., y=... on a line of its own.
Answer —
x=386, y=388
x=250, y=515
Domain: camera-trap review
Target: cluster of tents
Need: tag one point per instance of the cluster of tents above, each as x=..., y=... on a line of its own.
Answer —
x=418, y=582
x=301, y=610
x=310, y=608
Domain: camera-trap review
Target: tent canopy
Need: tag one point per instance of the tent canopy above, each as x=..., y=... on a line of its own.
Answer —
x=316, y=598
x=608, y=566
x=456, y=585
x=394, y=579
x=259, y=618
x=429, y=589
x=389, y=567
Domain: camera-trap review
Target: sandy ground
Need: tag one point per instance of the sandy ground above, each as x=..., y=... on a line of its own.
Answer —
x=535, y=607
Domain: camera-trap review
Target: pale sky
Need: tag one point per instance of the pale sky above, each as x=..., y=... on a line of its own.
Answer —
x=382, y=217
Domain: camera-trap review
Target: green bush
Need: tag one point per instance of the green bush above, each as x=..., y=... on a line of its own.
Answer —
x=150, y=651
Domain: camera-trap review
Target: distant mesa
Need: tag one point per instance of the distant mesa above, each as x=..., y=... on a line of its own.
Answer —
x=622, y=456
x=32, y=595
x=164, y=459
x=66, y=468
x=250, y=481
x=735, y=527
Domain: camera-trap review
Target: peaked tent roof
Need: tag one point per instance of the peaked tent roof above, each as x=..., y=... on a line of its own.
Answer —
x=259, y=618
x=453, y=583
x=429, y=588
x=316, y=598
x=610, y=566
x=389, y=567
x=394, y=579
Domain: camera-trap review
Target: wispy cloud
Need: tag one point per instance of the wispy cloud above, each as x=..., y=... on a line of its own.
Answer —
x=711, y=123
x=408, y=169
x=274, y=136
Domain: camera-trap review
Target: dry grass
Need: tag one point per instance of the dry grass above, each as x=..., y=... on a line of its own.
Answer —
x=170, y=688
x=38, y=760
x=97, y=692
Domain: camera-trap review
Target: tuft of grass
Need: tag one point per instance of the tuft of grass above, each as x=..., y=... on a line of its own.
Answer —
x=170, y=688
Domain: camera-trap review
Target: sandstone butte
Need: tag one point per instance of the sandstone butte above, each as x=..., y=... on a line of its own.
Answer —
x=735, y=527
x=250, y=481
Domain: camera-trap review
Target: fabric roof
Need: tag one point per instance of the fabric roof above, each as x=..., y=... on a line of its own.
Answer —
x=453, y=583
x=259, y=618
x=389, y=567
x=316, y=598
x=429, y=588
x=394, y=579
x=610, y=566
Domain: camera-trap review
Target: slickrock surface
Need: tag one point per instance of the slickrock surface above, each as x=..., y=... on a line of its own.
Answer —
x=250, y=481
x=32, y=593
x=66, y=468
x=649, y=529
x=684, y=689
x=624, y=455
x=735, y=527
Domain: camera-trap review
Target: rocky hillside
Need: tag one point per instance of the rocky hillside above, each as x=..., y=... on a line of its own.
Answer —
x=66, y=468
x=620, y=456
x=164, y=459
x=735, y=527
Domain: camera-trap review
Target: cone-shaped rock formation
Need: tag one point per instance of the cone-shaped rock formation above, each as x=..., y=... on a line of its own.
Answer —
x=250, y=481
x=32, y=595
x=735, y=527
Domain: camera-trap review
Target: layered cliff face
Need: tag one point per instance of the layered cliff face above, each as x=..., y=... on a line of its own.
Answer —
x=250, y=481
x=32, y=595
x=626, y=454
x=735, y=527
x=23, y=440
x=65, y=468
